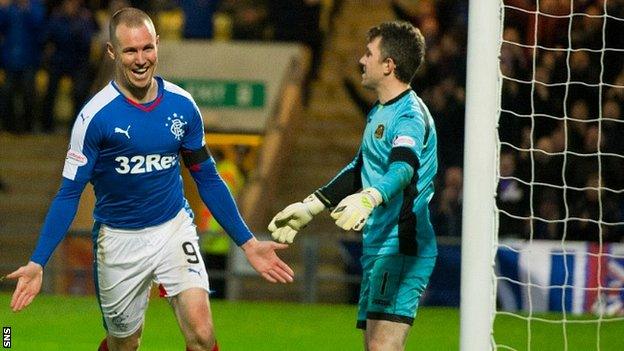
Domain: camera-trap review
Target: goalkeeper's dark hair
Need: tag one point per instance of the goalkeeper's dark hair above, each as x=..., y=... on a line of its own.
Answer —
x=131, y=17
x=403, y=43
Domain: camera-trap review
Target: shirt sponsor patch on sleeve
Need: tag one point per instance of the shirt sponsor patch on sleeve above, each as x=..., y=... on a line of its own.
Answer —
x=76, y=158
x=403, y=140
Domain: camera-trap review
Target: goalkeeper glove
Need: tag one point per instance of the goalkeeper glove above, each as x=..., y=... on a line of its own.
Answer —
x=353, y=211
x=285, y=225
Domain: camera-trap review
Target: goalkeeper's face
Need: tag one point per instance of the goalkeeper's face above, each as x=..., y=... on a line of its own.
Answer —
x=135, y=52
x=374, y=67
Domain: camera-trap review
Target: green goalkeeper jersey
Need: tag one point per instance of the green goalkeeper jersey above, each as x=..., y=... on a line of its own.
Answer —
x=398, y=157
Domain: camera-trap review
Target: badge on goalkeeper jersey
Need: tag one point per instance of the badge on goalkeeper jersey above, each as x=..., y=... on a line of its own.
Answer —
x=379, y=131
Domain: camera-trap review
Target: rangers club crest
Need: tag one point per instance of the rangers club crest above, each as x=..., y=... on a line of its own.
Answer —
x=176, y=125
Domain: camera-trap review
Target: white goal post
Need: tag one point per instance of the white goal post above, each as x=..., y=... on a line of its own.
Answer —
x=544, y=170
x=482, y=105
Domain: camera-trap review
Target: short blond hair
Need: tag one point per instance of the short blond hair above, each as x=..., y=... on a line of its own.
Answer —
x=131, y=17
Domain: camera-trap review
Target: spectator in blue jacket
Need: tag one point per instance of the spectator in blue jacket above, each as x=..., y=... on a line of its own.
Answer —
x=21, y=22
x=71, y=28
x=198, y=16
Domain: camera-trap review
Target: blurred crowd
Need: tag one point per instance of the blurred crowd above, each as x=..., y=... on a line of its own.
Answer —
x=36, y=37
x=561, y=163
x=49, y=45
x=561, y=169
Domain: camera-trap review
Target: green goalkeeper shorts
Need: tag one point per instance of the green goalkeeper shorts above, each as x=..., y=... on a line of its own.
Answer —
x=392, y=286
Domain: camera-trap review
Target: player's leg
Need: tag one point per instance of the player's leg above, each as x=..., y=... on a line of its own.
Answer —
x=377, y=334
x=123, y=277
x=128, y=343
x=367, y=266
x=184, y=280
x=396, y=284
x=385, y=335
x=192, y=310
x=103, y=345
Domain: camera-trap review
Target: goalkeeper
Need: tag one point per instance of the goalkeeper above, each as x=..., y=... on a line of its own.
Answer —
x=395, y=166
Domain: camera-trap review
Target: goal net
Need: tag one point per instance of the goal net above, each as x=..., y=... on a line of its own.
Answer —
x=557, y=260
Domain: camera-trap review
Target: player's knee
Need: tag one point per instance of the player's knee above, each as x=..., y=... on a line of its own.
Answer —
x=201, y=339
x=383, y=344
x=374, y=345
x=133, y=344
x=130, y=343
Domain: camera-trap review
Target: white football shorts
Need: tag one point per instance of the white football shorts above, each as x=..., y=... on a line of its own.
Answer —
x=129, y=261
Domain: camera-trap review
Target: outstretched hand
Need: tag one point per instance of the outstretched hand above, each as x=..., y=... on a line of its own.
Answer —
x=285, y=225
x=29, y=279
x=262, y=257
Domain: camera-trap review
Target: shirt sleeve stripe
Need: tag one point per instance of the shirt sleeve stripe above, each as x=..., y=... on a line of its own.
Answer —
x=79, y=131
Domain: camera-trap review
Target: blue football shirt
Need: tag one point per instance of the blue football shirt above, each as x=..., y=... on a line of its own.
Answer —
x=130, y=153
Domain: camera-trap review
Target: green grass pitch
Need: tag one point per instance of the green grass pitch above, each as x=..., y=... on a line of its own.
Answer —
x=73, y=323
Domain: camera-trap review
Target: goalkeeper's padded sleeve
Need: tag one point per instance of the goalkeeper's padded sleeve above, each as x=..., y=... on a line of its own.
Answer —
x=404, y=154
x=402, y=171
x=60, y=216
x=217, y=197
x=345, y=183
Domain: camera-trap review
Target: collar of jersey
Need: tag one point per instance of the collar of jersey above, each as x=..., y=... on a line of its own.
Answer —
x=148, y=106
x=395, y=99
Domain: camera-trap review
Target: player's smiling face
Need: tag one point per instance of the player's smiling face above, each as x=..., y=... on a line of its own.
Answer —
x=136, y=56
x=372, y=64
